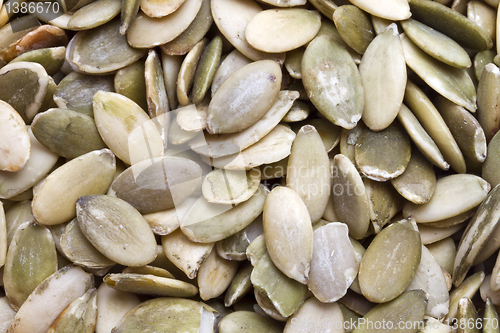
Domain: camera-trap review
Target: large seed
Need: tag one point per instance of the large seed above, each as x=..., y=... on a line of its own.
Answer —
x=215, y=275
x=116, y=229
x=15, y=142
x=79, y=316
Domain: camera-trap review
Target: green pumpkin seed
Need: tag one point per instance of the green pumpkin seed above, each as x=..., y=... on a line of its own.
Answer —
x=175, y=313
x=453, y=83
x=234, y=107
x=31, y=258
x=481, y=59
x=17, y=215
x=215, y=275
x=147, y=284
x=380, y=24
x=354, y=26
x=205, y=71
x=81, y=52
x=296, y=27
x=116, y=229
x=193, y=34
x=240, y=285
x=288, y=233
x=248, y=321
x=434, y=125
x=171, y=67
x=167, y=28
x=77, y=248
x=397, y=246
x=61, y=18
x=391, y=10
x=436, y=44
x=50, y=298
x=123, y=125
x=51, y=58
x=79, y=316
x=484, y=16
x=479, y=229
x=150, y=270
x=467, y=288
x=94, y=14
x=129, y=12
x=23, y=85
x=384, y=202
x=444, y=251
x=76, y=90
x=353, y=208
x=418, y=181
x=326, y=7
x=490, y=317
x=187, y=72
x=184, y=253
x=155, y=8
x=451, y=23
x=409, y=307
x=92, y=173
x=233, y=61
x=383, y=155
x=293, y=62
x=324, y=62
x=490, y=165
x=488, y=110
x=348, y=139
x=130, y=82
x=112, y=305
x=67, y=133
x=334, y=264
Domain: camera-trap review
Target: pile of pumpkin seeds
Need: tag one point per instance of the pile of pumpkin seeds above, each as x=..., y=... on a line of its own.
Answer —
x=242, y=166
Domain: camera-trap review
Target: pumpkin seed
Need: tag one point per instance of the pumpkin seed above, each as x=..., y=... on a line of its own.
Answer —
x=79, y=316
x=326, y=7
x=466, y=289
x=215, y=275
x=155, y=8
x=206, y=68
x=481, y=59
x=296, y=27
x=244, y=97
x=164, y=222
x=467, y=313
x=488, y=111
x=240, y=285
x=248, y=321
x=398, y=247
x=384, y=202
x=293, y=62
x=192, y=118
x=487, y=293
x=92, y=173
x=112, y=305
x=156, y=94
x=391, y=10
x=7, y=314
x=233, y=61
x=490, y=316
x=230, y=186
x=484, y=16
x=234, y=247
x=94, y=14
x=187, y=72
x=431, y=235
x=51, y=58
x=14, y=133
x=354, y=26
x=17, y=215
x=317, y=315
x=150, y=285
x=332, y=82
x=130, y=82
x=444, y=251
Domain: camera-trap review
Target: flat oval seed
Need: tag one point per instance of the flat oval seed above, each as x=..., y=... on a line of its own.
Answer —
x=468, y=288
x=288, y=233
x=334, y=264
x=248, y=321
x=76, y=90
x=391, y=10
x=282, y=30
x=354, y=26
x=232, y=18
x=125, y=128
x=293, y=62
x=384, y=200
x=350, y=201
x=430, y=235
x=383, y=155
x=67, y=133
x=15, y=142
x=187, y=71
x=130, y=82
x=488, y=109
x=208, y=222
x=156, y=8
x=452, y=83
x=79, y=316
x=164, y=222
x=477, y=233
x=215, y=275
x=409, y=307
x=298, y=112
x=466, y=130
x=434, y=125
x=112, y=305
x=83, y=51
x=193, y=34
x=397, y=248
x=31, y=258
x=94, y=14
x=418, y=182
x=444, y=252
x=177, y=314
x=153, y=186
x=451, y=23
x=233, y=61
x=146, y=284
x=453, y=195
x=92, y=173
x=240, y=285
x=192, y=118
x=205, y=71
x=244, y=97
x=481, y=59
x=383, y=74
x=436, y=44
x=313, y=313
x=116, y=229
x=50, y=298
x=308, y=171
x=332, y=82
x=51, y=58
x=77, y=248
x=156, y=94
x=24, y=85
x=492, y=162
x=230, y=186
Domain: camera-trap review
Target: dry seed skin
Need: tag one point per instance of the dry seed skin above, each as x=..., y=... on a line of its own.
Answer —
x=288, y=233
x=177, y=314
x=250, y=322
x=282, y=30
x=116, y=229
x=55, y=199
x=334, y=265
x=383, y=74
x=332, y=82
x=244, y=97
x=389, y=9
x=398, y=248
